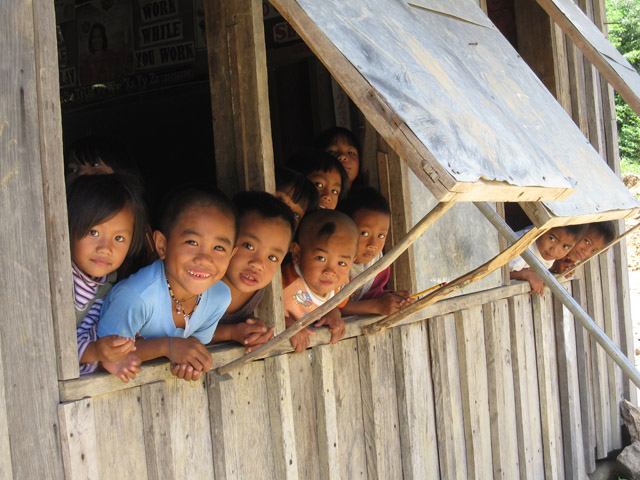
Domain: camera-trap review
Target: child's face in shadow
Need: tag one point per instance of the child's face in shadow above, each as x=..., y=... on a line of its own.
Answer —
x=590, y=243
x=556, y=243
x=261, y=246
x=197, y=251
x=347, y=154
x=373, y=228
x=325, y=262
x=76, y=169
x=329, y=186
x=298, y=209
x=104, y=248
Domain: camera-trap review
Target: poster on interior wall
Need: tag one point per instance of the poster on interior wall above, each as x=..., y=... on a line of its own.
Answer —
x=199, y=27
x=104, y=41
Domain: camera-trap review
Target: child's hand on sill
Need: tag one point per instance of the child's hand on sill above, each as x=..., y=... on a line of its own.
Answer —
x=252, y=333
x=124, y=368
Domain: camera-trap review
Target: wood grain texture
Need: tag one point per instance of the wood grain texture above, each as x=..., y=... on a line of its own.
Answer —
x=224, y=429
x=78, y=438
x=29, y=354
x=278, y=380
x=177, y=431
x=53, y=188
x=595, y=308
x=304, y=402
x=502, y=408
x=475, y=392
x=585, y=382
x=416, y=409
x=597, y=48
x=572, y=435
x=548, y=386
x=448, y=400
x=379, y=406
x=120, y=434
x=525, y=383
x=411, y=110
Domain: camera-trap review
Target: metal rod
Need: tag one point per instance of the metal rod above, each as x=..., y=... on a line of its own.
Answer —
x=561, y=293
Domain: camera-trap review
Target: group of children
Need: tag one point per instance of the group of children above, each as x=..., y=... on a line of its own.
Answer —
x=210, y=258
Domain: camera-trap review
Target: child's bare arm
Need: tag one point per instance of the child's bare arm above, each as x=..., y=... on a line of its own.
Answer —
x=300, y=341
x=188, y=351
x=537, y=285
x=108, y=349
x=336, y=325
x=385, y=305
x=251, y=333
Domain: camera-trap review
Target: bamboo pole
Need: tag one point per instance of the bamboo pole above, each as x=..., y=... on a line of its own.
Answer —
x=264, y=350
x=561, y=294
x=479, y=273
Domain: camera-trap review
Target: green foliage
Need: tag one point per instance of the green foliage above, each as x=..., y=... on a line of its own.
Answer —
x=623, y=19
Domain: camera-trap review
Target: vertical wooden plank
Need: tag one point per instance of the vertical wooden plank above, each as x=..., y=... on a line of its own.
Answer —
x=120, y=435
x=78, y=437
x=224, y=429
x=585, y=382
x=369, y=153
x=329, y=446
x=6, y=470
x=349, y=414
x=394, y=186
x=475, y=392
x=604, y=439
x=158, y=404
x=525, y=382
x=416, y=408
x=55, y=200
x=548, y=386
x=379, y=404
x=254, y=432
x=448, y=399
x=612, y=329
x=303, y=398
x=27, y=34
x=239, y=94
x=502, y=407
x=281, y=416
x=575, y=62
x=574, y=459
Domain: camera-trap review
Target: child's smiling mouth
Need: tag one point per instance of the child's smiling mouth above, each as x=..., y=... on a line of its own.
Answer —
x=199, y=275
x=248, y=278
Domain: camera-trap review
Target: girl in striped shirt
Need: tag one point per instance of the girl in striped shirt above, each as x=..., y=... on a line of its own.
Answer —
x=106, y=223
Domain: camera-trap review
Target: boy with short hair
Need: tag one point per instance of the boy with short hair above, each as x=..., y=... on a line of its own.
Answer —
x=266, y=227
x=321, y=260
x=598, y=234
x=172, y=306
x=371, y=214
x=550, y=246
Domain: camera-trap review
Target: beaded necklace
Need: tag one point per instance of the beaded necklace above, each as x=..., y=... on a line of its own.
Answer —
x=179, y=308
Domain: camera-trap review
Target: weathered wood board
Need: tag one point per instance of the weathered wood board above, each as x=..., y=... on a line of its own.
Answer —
x=444, y=93
x=525, y=382
x=451, y=247
x=597, y=48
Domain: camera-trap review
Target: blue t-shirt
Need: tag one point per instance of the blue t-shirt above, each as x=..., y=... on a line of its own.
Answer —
x=141, y=305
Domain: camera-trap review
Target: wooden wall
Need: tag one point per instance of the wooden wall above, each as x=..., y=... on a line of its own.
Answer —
x=500, y=384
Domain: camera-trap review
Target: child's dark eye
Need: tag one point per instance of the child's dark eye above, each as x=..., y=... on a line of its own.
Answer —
x=320, y=258
x=335, y=191
x=248, y=246
x=342, y=264
x=192, y=242
x=119, y=238
x=273, y=258
x=219, y=248
x=296, y=215
x=94, y=233
x=587, y=241
x=353, y=154
x=319, y=185
x=95, y=164
x=364, y=234
x=382, y=235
